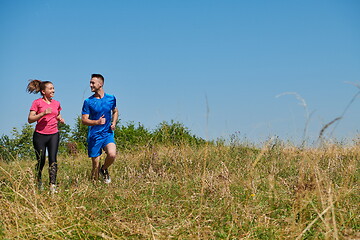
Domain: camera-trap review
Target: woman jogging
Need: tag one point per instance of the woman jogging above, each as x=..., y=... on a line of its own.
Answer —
x=46, y=112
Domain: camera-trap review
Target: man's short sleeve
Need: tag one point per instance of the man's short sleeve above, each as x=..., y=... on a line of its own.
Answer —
x=114, y=104
x=85, y=108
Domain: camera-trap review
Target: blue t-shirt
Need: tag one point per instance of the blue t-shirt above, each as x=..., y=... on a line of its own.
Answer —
x=96, y=107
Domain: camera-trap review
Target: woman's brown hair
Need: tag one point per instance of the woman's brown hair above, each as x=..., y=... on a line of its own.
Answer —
x=36, y=86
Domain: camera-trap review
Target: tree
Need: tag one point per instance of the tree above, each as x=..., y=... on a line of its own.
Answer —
x=7, y=148
x=23, y=141
x=65, y=137
x=79, y=134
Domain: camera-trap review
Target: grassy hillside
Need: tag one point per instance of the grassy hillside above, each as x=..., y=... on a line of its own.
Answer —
x=209, y=192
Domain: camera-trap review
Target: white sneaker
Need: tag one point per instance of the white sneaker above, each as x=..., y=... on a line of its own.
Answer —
x=53, y=189
x=105, y=175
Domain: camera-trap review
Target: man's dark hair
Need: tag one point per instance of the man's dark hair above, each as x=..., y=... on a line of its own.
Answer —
x=96, y=75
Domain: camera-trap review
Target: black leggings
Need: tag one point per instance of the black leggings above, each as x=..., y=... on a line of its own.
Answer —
x=49, y=142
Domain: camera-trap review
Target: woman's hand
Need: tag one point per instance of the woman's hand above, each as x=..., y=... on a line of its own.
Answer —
x=60, y=119
x=47, y=111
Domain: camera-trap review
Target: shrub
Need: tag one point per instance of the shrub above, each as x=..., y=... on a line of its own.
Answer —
x=130, y=136
x=175, y=133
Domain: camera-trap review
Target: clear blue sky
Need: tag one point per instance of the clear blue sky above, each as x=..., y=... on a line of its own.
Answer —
x=174, y=60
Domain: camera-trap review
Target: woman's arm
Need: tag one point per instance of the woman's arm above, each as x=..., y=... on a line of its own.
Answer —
x=60, y=119
x=33, y=117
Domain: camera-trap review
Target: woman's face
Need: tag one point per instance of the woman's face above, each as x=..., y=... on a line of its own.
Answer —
x=49, y=90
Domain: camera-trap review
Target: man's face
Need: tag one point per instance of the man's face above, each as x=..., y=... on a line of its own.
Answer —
x=95, y=84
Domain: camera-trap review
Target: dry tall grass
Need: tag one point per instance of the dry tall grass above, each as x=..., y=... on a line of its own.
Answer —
x=211, y=192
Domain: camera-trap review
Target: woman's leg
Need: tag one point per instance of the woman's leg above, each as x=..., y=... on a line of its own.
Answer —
x=53, y=146
x=39, y=142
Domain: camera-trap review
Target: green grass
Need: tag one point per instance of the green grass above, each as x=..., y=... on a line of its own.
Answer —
x=210, y=192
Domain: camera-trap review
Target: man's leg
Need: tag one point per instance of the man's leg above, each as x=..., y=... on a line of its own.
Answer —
x=110, y=150
x=94, y=151
x=95, y=168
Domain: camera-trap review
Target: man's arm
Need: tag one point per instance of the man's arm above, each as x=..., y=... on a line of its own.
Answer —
x=88, y=122
x=115, y=115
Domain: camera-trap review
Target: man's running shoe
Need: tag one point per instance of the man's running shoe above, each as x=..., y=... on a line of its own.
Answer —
x=105, y=175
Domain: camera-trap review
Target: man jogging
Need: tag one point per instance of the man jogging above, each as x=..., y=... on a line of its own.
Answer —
x=99, y=112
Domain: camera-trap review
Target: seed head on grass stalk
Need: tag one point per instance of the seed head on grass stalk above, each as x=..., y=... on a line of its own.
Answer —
x=326, y=126
x=337, y=120
x=348, y=105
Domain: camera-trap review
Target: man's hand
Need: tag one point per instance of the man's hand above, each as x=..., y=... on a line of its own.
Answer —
x=101, y=120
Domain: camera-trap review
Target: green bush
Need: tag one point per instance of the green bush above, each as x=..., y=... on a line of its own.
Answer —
x=73, y=141
x=175, y=133
x=130, y=136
